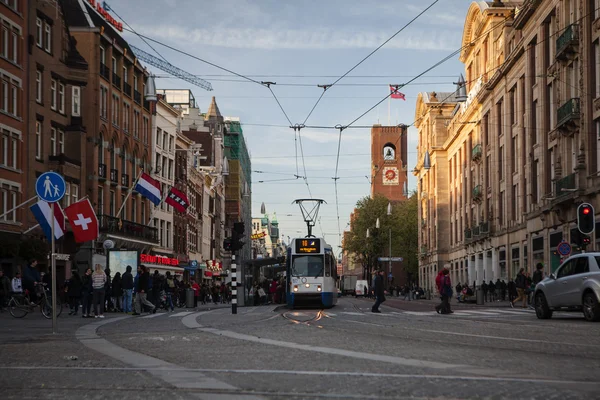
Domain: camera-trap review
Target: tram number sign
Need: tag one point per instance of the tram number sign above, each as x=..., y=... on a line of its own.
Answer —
x=564, y=248
x=308, y=245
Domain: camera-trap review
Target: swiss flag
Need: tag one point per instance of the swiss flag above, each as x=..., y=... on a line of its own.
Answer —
x=83, y=221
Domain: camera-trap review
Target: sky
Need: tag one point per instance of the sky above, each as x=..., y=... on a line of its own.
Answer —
x=299, y=45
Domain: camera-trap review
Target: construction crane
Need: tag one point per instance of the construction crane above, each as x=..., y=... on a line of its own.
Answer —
x=170, y=68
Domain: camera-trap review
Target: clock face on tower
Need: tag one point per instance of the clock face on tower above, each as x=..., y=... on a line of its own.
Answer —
x=390, y=176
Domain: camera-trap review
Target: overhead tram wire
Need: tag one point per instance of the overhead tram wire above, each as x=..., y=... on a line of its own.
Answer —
x=325, y=87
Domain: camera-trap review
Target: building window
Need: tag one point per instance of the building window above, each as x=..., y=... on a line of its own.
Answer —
x=15, y=101
x=5, y=96
x=136, y=123
x=164, y=142
x=124, y=209
x=15, y=46
x=61, y=98
x=9, y=201
x=66, y=200
x=100, y=200
x=52, y=141
x=133, y=209
x=596, y=66
x=170, y=143
x=115, y=110
x=126, y=116
x=76, y=101
x=53, y=94
x=4, y=160
x=61, y=141
x=143, y=212
x=74, y=193
x=158, y=136
x=135, y=82
x=111, y=205
x=48, y=38
x=4, y=50
x=38, y=140
x=39, y=40
x=146, y=128
x=168, y=234
x=161, y=232
x=103, y=101
x=125, y=74
x=38, y=86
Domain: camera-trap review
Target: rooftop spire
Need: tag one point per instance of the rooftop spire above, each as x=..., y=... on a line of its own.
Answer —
x=213, y=110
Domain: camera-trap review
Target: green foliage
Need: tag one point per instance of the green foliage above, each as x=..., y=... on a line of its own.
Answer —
x=404, y=231
x=33, y=248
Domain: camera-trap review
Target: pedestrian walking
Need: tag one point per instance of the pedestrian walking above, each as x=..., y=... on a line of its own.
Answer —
x=379, y=292
x=127, y=284
x=74, y=289
x=169, y=288
x=521, y=285
x=142, y=292
x=117, y=291
x=86, y=293
x=445, y=290
x=484, y=288
x=98, y=284
x=4, y=290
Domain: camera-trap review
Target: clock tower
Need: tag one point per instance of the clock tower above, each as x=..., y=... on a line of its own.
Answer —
x=388, y=161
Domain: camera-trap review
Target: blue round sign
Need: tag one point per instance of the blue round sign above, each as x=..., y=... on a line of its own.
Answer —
x=564, y=248
x=194, y=263
x=50, y=187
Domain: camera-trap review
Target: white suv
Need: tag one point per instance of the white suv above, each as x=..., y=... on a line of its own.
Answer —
x=574, y=286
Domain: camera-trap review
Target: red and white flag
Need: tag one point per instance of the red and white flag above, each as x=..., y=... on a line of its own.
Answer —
x=83, y=221
x=395, y=94
x=178, y=200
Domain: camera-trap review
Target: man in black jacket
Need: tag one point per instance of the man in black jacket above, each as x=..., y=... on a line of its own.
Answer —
x=127, y=283
x=142, y=292
x=378, y=291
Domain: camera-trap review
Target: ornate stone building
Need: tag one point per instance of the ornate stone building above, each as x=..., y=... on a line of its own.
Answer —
x=505, y=160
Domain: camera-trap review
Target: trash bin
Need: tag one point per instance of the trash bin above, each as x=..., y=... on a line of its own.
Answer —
x=189, y=298
x=479, y=297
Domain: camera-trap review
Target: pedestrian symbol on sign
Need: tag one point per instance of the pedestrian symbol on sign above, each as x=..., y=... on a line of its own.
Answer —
x=50, y=187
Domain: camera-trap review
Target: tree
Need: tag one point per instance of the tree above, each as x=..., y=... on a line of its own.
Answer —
x=404, y=230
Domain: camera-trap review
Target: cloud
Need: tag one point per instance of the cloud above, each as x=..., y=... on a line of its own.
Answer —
x=301, y=39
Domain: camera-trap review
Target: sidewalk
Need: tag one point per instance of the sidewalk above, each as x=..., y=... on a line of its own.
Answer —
x=398, y=301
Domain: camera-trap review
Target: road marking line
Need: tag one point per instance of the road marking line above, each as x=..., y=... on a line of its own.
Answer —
x=352, y=313
x=474, y=312
x=514, y=312
x=152, y=315
x=181, y=314
x=420, y=313
x=184, y=379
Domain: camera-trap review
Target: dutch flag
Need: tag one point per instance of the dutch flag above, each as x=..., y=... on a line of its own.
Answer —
x=149, y=188
x=41, y=211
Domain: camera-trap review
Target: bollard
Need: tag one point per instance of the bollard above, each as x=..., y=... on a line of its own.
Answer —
x=479, y=294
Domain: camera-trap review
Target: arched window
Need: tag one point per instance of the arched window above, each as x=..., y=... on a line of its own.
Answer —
x=389, y=151
x=101, y=150
x=113, y=156
x=124, y=157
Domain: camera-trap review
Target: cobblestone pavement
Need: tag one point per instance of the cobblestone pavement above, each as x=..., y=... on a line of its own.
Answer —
x=407, y=351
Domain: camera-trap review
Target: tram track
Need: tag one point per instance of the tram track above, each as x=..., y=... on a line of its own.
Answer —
x=296, y=316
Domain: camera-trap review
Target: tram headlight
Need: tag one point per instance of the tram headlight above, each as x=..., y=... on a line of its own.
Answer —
x=319, y=288
x=295, y=288
x=307, y=285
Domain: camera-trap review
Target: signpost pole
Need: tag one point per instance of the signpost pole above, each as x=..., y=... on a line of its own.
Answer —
x=53, y=270
x=233, y=284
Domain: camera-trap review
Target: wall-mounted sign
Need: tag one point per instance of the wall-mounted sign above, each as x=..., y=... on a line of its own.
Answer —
x=62, y=257
x=259, y=235
x=109, y=18
x=147, y=258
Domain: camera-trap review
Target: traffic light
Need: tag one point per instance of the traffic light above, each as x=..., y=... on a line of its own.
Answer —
x=239, y=228
x=585, y=240
x=227, y=244
x=237, y=234
x=586, y=220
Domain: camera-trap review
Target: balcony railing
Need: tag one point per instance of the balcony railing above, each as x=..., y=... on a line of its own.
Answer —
x=125, y=180
x=125, y=228
x=477, y=192
x=567, y=42
x=484, y=227
x=137, y=97
x=477, y=152
x=423, y=250
x=468, y=234
x=568, y=112
x=114, y=176
x=102, y=171
x=104, y=71
x=476, y=231
x=127, y=89
x=116, y=80
x=565, y=185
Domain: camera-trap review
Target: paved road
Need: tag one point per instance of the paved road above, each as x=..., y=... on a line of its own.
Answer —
x=346, y=352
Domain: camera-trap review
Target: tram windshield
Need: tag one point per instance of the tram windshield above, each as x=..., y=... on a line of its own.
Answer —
x=307, y=266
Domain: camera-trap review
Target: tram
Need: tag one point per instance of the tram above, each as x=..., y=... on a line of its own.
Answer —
x=311, y=271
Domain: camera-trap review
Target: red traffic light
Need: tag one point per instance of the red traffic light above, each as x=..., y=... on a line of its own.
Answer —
x=585, y=210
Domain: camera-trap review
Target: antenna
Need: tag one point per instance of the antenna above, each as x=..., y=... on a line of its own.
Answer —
x=309, y=213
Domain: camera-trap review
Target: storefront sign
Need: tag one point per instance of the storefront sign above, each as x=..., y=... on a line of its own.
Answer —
x=259, y=235
x=147, y=258
x=62, y=257
x=109, y=18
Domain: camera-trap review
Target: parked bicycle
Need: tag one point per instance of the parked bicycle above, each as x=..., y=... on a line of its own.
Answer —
x=20, y=305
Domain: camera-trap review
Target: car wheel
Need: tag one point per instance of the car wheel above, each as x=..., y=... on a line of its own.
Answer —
x=591, y=307
x=542, y=311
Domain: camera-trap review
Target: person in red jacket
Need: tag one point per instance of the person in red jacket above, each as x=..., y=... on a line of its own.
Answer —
x=196, y=289
x=273, y=290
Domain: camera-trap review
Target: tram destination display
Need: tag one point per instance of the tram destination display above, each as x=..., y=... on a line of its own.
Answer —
x=308, y=246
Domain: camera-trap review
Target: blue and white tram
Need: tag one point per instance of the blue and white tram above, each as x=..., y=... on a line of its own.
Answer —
x=312, y=273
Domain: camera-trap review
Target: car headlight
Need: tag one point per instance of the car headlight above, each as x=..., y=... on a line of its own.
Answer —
x=319, y=288
x=307, y=285
x=295, y=288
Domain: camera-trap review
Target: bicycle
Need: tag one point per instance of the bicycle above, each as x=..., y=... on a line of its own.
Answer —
x=19, y=304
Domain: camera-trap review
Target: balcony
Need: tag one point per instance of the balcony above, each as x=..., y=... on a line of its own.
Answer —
x=423, y=250
x=125, y=180
x=116, y=80
x=476, y=231
x=568, y=42
x=101, y=171
x=468, y=235
x=477, y=193
x=565, y=185
x=568, y=115
x=114, y=176
x=104, y=72
x=137, y=97
x=117, y=226
x=127, y=89
x=477, y=152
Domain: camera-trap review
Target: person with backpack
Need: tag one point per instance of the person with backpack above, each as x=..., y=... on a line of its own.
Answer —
x=445, y=289
x=521, y=286
x=378, y=291
x=127, y=284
